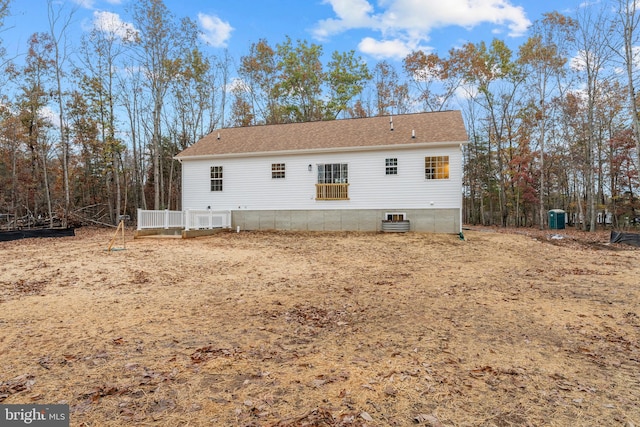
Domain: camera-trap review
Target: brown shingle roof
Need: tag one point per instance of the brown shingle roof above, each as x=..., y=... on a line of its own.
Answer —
x=445, y=126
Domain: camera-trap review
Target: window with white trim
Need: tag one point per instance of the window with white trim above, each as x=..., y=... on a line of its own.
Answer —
x=216, y=178
x=436, y=167
x=277, y=170
x=391, y=166
x=395, y=216
x=333, y=173
x=333, y=181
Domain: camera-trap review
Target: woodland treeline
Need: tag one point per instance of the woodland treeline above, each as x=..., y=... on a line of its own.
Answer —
x=552, y=123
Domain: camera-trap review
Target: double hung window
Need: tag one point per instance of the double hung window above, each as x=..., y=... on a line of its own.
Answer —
x=216, y=178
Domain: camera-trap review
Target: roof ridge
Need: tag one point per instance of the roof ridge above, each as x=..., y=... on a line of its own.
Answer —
x=331, y=120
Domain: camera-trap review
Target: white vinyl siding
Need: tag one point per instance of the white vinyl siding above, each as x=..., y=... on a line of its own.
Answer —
x=369, y=186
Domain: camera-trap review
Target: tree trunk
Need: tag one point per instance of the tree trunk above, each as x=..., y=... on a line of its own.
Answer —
x=116, y=177
x=47, y=193
x=156, y=151
x=630, y=22
x=64, y=140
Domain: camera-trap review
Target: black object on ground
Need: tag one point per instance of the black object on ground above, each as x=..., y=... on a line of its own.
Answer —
x=626, y=238
x=5, y=236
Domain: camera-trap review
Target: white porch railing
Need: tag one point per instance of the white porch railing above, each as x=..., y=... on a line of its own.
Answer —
x=190, y=219
x=206, y=219
x=160, y=219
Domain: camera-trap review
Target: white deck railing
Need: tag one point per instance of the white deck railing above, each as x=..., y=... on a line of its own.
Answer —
x=190, y=219
x=206, y=219
x=160, y=219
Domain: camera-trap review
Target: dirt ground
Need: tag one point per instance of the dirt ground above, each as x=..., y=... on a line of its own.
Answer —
x=505, y=328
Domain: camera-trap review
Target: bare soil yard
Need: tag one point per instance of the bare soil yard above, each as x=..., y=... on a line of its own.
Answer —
x=324, y=329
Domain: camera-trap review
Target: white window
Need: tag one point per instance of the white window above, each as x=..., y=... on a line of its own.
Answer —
x=333, y=173
x=333, y=181
x=391, y=166
x=395, y=216
x=436, y=167
x=216, y=178
x=277, y=170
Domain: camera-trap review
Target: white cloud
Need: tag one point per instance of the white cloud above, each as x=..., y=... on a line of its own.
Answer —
x=350, y=14
x=577, y=62
x=413, y=20
x=580, y=60
x=48, y=114
x=111, y=23
x=396, y=49
x=215, y=31
x=237, y=84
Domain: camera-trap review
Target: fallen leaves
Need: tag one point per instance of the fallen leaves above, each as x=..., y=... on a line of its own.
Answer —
x=138, y=399
x=98, y=392
x=22, y=288
x=390, y=391
x=210, y=352
x=365, y=416
x=324, y=417
x=16, y=385
x=427, y=419
x=317, y=317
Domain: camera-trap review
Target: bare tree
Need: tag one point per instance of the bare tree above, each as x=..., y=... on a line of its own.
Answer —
x=544, y=59
x=33, y=97
x=160, y=41
x=58, y=25
x=223, y=69
x=592, y=44
x=391, y=96
x=100, y=50
x=156, y=38
x=132, y=99
x=433, y=78
x=4, y=11
x=627, y=21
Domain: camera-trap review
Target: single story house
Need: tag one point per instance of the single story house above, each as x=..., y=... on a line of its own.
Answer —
x=350, y=174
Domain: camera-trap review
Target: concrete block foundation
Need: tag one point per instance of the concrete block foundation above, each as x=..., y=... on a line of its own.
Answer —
x=422, y=220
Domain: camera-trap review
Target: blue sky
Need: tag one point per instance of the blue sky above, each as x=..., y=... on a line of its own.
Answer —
x=375, y=29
